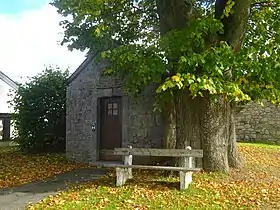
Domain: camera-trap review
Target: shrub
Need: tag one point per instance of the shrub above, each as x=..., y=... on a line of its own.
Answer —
x=40, y=112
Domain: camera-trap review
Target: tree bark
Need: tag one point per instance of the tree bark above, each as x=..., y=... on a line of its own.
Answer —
x=173, y=14
x=203, y=124
x=169, y=121
x=234, y=158
x=215, y=133
x=235, y=24
x=188, y=125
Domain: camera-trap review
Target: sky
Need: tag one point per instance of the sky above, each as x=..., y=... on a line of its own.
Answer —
x=29, y=39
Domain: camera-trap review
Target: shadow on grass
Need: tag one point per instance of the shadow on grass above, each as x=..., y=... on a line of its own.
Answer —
x=159, y=185
x=154, y=181
x=149, y=185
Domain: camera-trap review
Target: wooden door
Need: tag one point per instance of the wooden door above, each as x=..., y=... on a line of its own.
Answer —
x=110, y=127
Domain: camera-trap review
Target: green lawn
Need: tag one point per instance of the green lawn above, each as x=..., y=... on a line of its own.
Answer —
x=255, y=187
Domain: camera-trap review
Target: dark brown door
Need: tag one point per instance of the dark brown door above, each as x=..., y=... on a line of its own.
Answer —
x=110, y=127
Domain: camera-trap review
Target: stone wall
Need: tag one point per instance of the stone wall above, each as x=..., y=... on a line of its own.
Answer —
x=140, y=126
x=80, y=108
x=145, y=126
x=256, y=123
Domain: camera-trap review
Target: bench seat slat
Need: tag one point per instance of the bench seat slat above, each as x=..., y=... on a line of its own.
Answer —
x=159, y=152
x=169, y=168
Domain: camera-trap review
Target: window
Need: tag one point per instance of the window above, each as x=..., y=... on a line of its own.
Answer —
x=112, y=108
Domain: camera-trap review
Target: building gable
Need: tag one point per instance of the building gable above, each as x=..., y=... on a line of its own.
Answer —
x=9, y=81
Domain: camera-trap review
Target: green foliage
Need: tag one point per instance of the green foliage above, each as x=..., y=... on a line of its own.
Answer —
x=96, y=22
x=40, y=112
x=192, y=58
x=228, y=8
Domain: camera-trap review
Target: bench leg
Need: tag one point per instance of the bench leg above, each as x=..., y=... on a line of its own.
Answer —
x=129, y=173
x=122, y=176
x=128, y=161
x=185, y=179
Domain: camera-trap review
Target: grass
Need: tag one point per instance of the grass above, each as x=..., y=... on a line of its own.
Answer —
x=261, y=145
x=17, y=168
x=257, y=186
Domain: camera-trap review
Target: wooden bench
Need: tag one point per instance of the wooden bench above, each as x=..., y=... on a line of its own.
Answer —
x=124, y=171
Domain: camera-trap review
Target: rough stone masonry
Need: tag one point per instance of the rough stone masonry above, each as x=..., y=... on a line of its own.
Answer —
x=257, y=123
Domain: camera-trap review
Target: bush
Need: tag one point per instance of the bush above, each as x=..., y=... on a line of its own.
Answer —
x=40, y=112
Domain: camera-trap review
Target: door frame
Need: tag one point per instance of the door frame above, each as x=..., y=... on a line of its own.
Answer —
x=98, y=122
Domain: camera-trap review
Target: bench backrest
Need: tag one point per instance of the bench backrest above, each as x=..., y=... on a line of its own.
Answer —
x=159, y=152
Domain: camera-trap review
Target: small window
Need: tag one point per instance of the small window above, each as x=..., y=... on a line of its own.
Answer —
x=112, y=109
x=115, y=112
x=110, y=112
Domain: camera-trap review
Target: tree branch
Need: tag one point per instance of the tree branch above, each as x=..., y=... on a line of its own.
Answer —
x=234, y=24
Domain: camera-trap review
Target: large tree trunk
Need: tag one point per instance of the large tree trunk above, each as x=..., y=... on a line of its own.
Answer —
x=200, y=123
x=188, y=125
x=234, y=158
x=169, y=121
x=173, y=14
x=215, y=133
x=203, y=124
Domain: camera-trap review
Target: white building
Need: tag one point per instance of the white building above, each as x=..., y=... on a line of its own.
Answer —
x=7, y=87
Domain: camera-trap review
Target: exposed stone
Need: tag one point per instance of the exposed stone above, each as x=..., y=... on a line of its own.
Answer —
x=258, y=123
x=140, y=126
